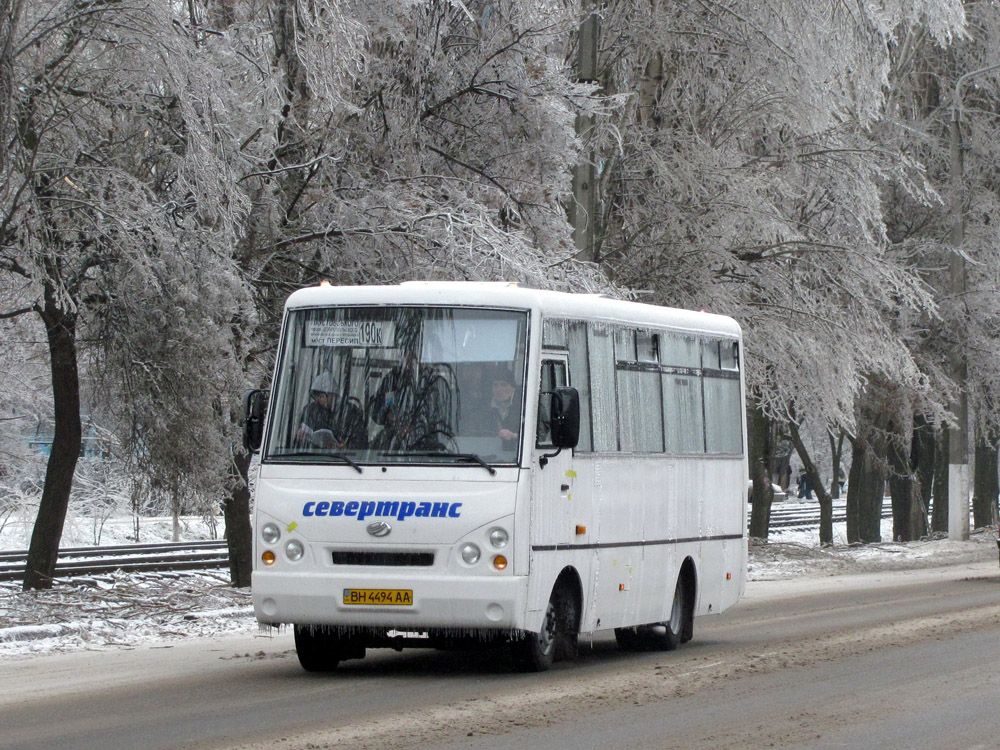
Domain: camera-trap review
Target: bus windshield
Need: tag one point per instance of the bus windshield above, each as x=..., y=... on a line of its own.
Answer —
x=363, y=385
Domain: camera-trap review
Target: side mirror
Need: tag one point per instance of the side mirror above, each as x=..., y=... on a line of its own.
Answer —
x=255, y=406
x=565, y=417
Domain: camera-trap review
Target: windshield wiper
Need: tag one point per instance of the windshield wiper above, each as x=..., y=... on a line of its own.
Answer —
x=463, y=456
x=313, y=454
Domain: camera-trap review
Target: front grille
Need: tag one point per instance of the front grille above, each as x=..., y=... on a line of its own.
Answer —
x=393, y=559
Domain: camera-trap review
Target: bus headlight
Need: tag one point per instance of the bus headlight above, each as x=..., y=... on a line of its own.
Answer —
x=294, y=550
x=499, y=538
x=270, y=533
x=470, y=553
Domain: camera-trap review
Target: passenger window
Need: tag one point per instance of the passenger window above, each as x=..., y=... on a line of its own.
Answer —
x=625, y=345
x=579, y=370
x=648, y=347
x=730, y=355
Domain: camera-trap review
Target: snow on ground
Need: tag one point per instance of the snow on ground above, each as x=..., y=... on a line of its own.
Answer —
x=142, y=609
x=121, y=611
x=790, y=553
x=87, y=531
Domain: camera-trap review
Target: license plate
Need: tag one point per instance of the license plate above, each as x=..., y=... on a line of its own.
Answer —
x=392, y=597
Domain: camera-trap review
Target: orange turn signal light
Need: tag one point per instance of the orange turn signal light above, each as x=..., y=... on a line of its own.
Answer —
x=499, y=562
x=581, y=530
x=268, y=557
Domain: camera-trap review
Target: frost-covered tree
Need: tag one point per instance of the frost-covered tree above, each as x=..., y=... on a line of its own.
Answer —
x=751, y=185
x=944, y=102
x=420, y=139
x=746, y=177
x=10, y=14
x=25, y=392
x=117, y=181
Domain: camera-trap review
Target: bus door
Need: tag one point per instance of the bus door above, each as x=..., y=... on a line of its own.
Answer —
x=553, y=521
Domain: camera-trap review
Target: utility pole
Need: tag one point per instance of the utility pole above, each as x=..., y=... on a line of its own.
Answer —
x=958, y=449
x=583, y=210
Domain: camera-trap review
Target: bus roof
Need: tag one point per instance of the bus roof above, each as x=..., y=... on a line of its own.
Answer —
x=508, y=295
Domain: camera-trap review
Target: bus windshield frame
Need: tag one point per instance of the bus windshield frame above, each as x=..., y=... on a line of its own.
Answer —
x=407, y=384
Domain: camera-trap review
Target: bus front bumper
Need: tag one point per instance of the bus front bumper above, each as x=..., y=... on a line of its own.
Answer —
x=281, y=598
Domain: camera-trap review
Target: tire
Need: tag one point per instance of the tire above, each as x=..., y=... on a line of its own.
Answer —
x=666, y=636
x=567, y=629
x=557, y=638
x=535, y=652
x=321, y=649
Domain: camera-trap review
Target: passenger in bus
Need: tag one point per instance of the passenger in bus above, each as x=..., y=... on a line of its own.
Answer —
x=473, y=392
x=411, y=404
x=505, y=409
x=329, y=421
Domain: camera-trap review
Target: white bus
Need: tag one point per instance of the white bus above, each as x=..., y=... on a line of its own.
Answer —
x=456, y=464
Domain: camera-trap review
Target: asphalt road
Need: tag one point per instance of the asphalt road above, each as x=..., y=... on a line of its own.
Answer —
x=887, y=660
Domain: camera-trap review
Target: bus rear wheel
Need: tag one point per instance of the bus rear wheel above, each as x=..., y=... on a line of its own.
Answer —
x=321, y=649
x=666, y=636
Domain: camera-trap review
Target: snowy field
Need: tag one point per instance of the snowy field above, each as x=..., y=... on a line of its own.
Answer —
x=86, y=531
x=157, y=609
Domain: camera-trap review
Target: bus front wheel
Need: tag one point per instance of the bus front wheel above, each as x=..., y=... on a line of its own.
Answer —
x=535, y=652
x=321, y=649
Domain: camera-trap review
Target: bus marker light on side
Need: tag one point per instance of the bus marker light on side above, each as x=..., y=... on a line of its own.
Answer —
x=499, y=562
x=581, y=530
x=268, y=557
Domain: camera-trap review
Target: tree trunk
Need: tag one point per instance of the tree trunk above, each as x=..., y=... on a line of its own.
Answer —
x=175, y=511
x=865, y=489
x=836, y=453
x=985, y=484
x=239, y=533
x=902, y=482
x=922, y=461
x=760, y=450
x=825, y=500
x=939, y=508
x=60, y=328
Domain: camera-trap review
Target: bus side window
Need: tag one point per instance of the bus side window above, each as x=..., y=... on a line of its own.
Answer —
x=553, y=376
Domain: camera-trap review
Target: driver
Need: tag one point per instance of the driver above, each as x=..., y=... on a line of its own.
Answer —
x=329, y=421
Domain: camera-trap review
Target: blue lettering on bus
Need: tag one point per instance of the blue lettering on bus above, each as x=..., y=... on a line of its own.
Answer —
x=386, y=508
x=363, y=510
